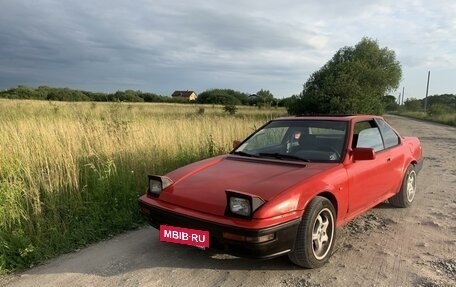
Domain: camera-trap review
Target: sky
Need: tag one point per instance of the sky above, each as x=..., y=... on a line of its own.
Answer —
x=161, y=45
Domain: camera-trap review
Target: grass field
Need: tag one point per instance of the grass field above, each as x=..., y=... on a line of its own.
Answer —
x=70, y=173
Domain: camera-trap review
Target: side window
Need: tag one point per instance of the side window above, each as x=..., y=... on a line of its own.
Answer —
x=368, y=135
x=362, y=126
x=389, y=136
x=370, y=138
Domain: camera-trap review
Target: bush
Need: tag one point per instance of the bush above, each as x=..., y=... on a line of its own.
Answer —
x=231, y=109
x=439, y=109
x=223, y=97
x=201, y=111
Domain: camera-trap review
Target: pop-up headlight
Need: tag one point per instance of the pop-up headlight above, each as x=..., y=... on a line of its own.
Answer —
x=157, y=184
x=242, y=204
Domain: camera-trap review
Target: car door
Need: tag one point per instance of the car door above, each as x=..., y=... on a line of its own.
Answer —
x=368, y=179
x=396, y=155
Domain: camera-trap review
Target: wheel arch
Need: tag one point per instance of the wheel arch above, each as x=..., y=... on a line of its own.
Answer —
x=404, y=169
x=411, y=162
x=331, y=197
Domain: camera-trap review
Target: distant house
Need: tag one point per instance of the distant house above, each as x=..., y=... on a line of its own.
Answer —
x=187, y=95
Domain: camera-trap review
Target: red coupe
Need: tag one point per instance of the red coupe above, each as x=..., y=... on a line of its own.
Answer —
x=286, y=188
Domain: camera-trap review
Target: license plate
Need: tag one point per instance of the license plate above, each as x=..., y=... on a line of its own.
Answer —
x=187, y=236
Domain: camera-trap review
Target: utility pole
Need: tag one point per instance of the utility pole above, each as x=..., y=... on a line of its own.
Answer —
x=427, y=91
x=403, y=92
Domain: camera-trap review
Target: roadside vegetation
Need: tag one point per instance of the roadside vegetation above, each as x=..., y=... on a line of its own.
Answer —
x=444, y=118
x=70, y=173
x=439, y=109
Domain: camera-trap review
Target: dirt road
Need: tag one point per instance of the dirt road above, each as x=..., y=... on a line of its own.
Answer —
x=385, y=247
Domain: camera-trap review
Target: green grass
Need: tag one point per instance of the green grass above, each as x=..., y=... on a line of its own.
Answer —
x=70, y=173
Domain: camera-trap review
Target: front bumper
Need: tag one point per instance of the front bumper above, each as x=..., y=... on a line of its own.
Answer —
x=284, y=233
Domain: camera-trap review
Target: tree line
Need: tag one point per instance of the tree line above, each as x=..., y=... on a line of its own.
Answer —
x=72, y=95
x=212, y=96
x=436, y=104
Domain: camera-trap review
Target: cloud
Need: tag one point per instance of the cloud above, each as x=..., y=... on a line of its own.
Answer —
x=163, y=45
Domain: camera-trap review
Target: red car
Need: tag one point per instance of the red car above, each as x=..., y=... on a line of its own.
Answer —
x=286, y=188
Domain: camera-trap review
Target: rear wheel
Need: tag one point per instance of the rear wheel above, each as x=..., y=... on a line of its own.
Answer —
x=314, y=241
x=405, y=196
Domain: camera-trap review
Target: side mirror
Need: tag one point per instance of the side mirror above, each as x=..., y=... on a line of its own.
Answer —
x=236, y=143
x=363, y=153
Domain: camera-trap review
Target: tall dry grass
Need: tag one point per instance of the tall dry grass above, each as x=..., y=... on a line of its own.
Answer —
x=70, y=173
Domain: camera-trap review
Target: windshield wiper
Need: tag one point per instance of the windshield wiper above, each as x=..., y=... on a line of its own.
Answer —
x=243, y=153
x=282, y=156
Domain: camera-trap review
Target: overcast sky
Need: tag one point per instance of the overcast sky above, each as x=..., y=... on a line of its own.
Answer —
x=161, y=45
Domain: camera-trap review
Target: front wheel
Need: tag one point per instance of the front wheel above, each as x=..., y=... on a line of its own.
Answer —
x=314, y=241
x=405, y=196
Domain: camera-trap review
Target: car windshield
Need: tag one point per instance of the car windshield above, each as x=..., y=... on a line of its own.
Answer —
x=300, y=140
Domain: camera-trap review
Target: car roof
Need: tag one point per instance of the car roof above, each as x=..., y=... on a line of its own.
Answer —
x=329, y=117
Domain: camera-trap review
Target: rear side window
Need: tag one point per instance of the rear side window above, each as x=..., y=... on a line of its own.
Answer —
x=390, y=138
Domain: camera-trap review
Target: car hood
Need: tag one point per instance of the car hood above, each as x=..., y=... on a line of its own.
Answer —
x=201, y=186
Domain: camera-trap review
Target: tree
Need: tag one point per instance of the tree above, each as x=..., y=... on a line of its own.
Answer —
x=24, y=92
x=128, y=96
x=390, y=103
x=222, y=97
x=413, y=105
x=151, y=97
x=264, y=98
x=355, y=80
x=445, y=99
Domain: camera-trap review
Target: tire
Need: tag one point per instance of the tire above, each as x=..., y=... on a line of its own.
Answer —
x=315, y=237
x=406, y=194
